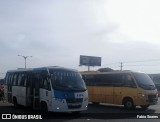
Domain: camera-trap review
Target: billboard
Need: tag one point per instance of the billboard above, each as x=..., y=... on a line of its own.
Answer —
x=90, y=60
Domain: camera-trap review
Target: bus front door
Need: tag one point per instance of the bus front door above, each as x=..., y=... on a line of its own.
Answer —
x=126, y=88
x=46, y=94
x=36, y=94
x=117, y=95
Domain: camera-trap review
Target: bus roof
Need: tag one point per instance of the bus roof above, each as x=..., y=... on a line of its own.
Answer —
x=112, y=72
x=41, y=68
x=20, y=70
x=63, y=68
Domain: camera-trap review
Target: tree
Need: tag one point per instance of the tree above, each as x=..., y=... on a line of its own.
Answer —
x=105, y=69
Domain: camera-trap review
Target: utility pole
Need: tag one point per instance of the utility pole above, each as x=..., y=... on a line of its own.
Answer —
x=25, y=58
x=121, y=66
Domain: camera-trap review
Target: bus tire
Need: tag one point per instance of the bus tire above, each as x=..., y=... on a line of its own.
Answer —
x=44, y=107
x=95, y=103
x=128, y=103
x=15, y=102
x=144, y=107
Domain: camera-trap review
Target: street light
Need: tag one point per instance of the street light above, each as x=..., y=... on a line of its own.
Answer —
x=25, y=58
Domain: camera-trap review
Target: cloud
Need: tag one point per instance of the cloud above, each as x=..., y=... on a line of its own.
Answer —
x=56, y=32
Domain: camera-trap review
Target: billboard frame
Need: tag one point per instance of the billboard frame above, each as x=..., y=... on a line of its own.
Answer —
x=90, y=61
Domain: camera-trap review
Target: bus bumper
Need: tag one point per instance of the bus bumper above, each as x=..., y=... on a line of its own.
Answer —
x=62, y=105
x=151, y=99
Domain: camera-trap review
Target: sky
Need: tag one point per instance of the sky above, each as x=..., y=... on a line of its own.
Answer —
x=57, y=32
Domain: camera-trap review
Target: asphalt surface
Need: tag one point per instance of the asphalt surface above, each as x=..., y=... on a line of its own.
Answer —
x=102, y=112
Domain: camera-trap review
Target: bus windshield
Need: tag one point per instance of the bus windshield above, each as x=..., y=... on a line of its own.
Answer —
x=144, y=81
x=67, y=80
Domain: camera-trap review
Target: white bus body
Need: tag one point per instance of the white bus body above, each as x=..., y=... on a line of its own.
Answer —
x=49, y=89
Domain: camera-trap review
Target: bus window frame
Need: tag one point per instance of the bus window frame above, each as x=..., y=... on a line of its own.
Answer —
x=132, y=83
x=96, y=80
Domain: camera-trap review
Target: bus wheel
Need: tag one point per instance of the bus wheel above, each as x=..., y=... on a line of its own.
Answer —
x=128, y=104
x=44, y=107
x=144, y=106
x=15, y=102
x=95, y=103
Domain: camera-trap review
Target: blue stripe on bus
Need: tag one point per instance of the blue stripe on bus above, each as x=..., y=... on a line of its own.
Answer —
x=63, y=94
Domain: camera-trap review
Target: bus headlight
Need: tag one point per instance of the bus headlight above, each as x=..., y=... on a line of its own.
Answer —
x=143, y=95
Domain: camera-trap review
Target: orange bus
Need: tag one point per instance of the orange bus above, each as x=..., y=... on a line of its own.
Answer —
x=126, y=88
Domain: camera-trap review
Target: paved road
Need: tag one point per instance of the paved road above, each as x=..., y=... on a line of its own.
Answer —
x=102, y=112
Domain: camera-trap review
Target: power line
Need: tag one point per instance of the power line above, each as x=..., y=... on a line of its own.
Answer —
x=122, y=63
x=142, y=65
x=150, y=60
x=111, y=63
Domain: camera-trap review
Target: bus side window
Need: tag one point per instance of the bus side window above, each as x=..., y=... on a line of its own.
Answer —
x=22, y=79
x=117, y=80
x=15, y=79
x=49, y=86
x=9, y=79
x=29, y=79
x=105, y=80
x=6, y=79
x=19, y=79
x=98, y=80
x=89, y=79
x=128, y=81
x=46, y=84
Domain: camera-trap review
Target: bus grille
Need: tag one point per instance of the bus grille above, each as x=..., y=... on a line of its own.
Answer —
x=152, y=98
x=74, y=103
